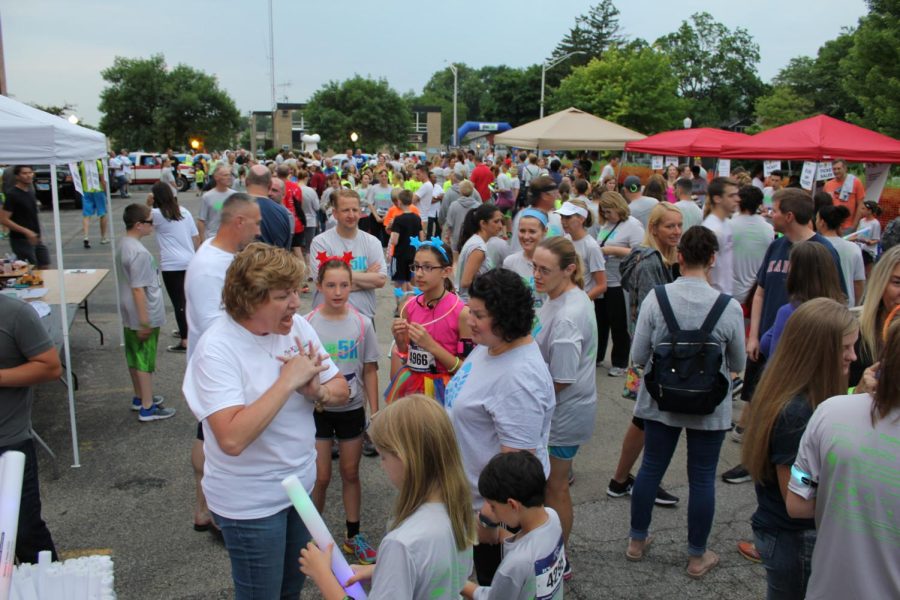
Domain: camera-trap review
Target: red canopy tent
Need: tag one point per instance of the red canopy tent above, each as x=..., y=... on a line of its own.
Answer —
x=702, y=141
x=818, y=138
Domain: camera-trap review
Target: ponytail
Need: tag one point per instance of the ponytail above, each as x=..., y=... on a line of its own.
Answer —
x=564, y=250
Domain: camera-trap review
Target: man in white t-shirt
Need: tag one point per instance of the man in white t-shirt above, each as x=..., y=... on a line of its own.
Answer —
x=609, y=169
x=212, y=201
x=639, y=204
x=204, y=280
x=367, y=263
x=723, y=201
x=752, y=235
x=125, y=162
x=423, y=198
x=690, y=212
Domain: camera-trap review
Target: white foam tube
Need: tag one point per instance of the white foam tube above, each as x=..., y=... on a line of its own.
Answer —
x=319, y=532
x=12, y=471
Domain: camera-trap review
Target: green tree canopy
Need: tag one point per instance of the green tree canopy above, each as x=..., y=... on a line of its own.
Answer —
x=369, y=107
x=716, y=67
x=631, y=86
x=781, y=106
x=592, y=34
x=148, y=106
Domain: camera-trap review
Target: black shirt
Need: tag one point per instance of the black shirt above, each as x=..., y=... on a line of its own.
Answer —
x=406, y=225
x=783, y=446
x=23, y=207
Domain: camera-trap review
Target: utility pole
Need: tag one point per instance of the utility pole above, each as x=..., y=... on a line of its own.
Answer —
x=272, y=58
x=455, y=114
x=3, y=89
x=549, y=65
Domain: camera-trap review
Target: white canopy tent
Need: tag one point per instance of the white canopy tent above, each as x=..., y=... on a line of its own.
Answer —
x=569, y=129
x=29, y=136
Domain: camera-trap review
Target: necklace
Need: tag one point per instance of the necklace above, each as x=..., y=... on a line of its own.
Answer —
x=440, y=318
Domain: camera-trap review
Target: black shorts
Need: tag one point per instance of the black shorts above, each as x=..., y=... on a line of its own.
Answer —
x=638, y=422
x=297, y=240
x=200, y=431
x=344, y=425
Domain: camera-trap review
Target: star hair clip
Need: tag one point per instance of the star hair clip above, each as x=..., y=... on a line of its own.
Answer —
x=434, y=242
x=323, y=258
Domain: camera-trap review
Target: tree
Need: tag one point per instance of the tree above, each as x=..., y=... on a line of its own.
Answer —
x=148, y=106
x=366, y=106
x=780, y=107
x=872, y=68
x=634, y=87
x=717, y=69
x=59, y=111
x=512, y=95
x=593, y=34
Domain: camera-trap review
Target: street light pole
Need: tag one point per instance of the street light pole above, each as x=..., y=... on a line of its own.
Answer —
x=549, y=65
x=455, y=114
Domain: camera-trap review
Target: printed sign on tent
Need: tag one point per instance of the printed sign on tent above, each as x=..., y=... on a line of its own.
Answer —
x=76, y=178
x=807, y=175
x=824, y=172
x=671, y=160
x=656, y=163
x=769, y=166
x=724, y=167
x=876, y=177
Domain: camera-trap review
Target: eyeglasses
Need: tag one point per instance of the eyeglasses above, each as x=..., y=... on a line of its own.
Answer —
x=544, y=271
x=424, y=268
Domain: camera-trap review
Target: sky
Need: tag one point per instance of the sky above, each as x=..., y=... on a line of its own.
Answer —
x=55, y=50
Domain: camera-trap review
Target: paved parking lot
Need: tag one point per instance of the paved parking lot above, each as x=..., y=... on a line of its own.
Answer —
x=133, y=494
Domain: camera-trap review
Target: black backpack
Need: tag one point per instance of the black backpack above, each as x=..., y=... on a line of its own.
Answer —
x=686, y=374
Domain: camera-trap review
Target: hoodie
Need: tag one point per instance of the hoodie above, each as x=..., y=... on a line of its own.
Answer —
x=457, y=214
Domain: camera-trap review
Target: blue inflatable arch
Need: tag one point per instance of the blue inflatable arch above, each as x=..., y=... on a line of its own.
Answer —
x=470, y=126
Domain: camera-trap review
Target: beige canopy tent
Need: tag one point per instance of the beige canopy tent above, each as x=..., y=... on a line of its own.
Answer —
x=569, y=129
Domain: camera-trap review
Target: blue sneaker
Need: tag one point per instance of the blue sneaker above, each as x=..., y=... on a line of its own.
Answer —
x=136, y=402
x=155, y=413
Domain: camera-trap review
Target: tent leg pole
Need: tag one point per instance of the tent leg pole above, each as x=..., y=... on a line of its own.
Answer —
x=112, y=246
x=67, y=351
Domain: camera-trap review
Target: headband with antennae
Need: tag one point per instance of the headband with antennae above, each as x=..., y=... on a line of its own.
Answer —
x=435, y=242
x=323, y=258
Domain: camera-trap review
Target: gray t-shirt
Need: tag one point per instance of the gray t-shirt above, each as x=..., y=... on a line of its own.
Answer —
x=524, y=268
x=351, y=343
x=211, y=209
x=366, y=250
x=137, y=268
x=640, y=209
x=504, y=400
x=498, y=250
x=690, y=214
x=629, y=234
x=472, y=244
x=856, y=467
x=852, y=267
x=691, y=299
x=532, y=565
x=22, y=336
x=567, y=337
x=752, y=236
x=592, y=259
x=380, y=198
x=419, y=559
x=310, y=205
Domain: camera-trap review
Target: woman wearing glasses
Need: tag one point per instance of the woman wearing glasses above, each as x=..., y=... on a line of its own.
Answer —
x=431, y=334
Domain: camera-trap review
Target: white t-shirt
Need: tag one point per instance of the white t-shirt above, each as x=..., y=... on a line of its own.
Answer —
x=203, y=285
x=592, y=259
x=752, y=236
x=419, y=559
x=873, y=232
x=426, y=207
x=175, y=239
x=640, y=208
x=503, y=400
x=852, y=267
x=567, y=338
x=628, y=234
x=366, y=250
x=532, y=565
x=232, y=367
x=690, y=214
x=722, y=273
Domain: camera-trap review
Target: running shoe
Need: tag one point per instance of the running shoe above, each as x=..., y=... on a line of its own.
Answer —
x=616, y=372
x=359, y=547
x=136, y=402
x=664, y=498
x=177, y=349
x=737, y=434
x=748, y=550
x=617, y=490
x=737, y=384
x=737, y=474
x=104, y=241
x=368, y=447
x=155, y=413
x=87, y=243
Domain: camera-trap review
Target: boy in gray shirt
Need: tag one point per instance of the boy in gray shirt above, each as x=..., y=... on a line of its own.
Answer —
x=143, y=311
x=512, y=485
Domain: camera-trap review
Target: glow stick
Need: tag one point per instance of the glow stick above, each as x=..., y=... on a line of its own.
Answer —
x=12, y=471
x=319, y=532
x=856, y=233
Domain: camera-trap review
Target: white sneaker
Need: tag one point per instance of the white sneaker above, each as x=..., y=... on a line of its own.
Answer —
x=616, y=372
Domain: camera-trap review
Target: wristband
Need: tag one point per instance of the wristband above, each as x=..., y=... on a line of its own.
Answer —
x=804, y=479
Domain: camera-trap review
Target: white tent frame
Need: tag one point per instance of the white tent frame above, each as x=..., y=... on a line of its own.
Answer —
x=57, y=142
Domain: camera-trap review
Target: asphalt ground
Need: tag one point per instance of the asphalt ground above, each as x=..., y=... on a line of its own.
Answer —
x=132, y=495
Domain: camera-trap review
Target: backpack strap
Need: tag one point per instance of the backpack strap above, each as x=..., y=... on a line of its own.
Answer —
x=666, y=307
x=714, y=313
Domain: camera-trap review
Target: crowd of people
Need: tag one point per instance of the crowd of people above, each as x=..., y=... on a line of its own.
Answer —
x=514, y=277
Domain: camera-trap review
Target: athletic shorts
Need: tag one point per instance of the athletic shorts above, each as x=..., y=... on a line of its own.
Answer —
x=200, y=432
x=297, y=240
x=562, y=452
x=344, y=425
x=638, y=422
x=93, y=203
x=141, y=356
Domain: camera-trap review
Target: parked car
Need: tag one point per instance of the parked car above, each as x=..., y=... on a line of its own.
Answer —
x=147, y=166
x=64, y=185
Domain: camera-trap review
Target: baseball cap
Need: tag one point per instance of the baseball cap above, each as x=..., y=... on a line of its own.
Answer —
x=568, y=209
x=632, y=184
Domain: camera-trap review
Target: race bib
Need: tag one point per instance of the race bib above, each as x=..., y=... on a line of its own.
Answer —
x=548, y=574
x=420, y=360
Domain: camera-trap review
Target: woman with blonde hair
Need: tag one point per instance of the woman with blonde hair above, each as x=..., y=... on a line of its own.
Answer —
x=881, y=297
x=427, y=552
x=809, y=365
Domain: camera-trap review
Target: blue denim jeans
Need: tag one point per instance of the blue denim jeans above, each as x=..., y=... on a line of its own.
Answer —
x=787, y=557
x=264, y=555
x=702, y=459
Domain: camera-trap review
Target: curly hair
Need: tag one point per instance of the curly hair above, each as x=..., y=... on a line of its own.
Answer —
x=508, y=300
x=255, y=271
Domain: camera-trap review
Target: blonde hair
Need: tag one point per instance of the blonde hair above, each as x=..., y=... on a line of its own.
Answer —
x=589, y=220
x=873, y=309
x=564, y=250
x=659, y=211
x=615, y=201
x=417, y=430
x=254, y=272
x=807, y=361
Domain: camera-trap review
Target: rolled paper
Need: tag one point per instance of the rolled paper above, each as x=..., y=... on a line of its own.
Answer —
x=12, y=471
x=319, y=532
x=856, y=233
